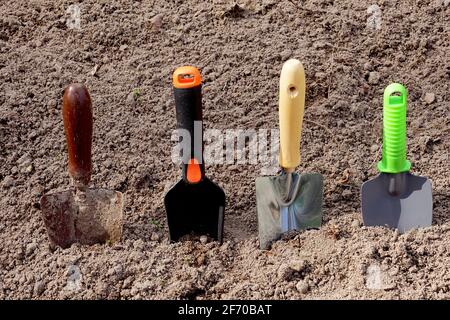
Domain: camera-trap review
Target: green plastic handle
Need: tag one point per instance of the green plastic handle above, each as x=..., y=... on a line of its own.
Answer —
x=394, y=130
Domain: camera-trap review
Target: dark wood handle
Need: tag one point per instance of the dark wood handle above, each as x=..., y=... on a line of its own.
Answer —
x=77, y=116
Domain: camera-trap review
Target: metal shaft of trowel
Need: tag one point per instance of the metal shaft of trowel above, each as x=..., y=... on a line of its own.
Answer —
x=397, y=183
x=287, y=217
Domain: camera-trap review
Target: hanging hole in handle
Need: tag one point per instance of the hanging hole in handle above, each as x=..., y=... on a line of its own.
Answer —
x=293, y=92
x=186, y=78
x=396, y=98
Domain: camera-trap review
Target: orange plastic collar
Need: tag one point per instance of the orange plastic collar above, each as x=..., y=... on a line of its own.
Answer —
x=194, y=173
x=186, y=77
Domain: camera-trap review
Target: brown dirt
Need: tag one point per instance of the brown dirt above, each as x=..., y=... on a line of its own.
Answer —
x=240, y=50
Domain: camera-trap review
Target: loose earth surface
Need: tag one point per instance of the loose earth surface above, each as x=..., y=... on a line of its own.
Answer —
x=125, y=52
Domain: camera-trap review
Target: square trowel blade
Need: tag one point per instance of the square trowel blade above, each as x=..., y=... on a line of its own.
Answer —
x=305, y=212
x=411, y=208
x=94, y=216
x=195, y=208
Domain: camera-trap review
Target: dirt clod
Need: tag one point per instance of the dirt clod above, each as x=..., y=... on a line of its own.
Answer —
x=30, y=248
x=155, y=236
x=156, y=22
x=39, y=288
x=429, y=97
x=8, y=181
x=374, y=78
x=356, y=223
x=204, y=239
x=298, y=265
x=302, y=286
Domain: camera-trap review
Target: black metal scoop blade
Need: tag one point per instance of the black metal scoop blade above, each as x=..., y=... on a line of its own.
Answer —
x=195, y=208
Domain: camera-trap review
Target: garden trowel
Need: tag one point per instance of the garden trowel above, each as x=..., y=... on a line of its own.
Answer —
x=81, y=214
x=195, y=205
x=290, y=201
x=396, y=198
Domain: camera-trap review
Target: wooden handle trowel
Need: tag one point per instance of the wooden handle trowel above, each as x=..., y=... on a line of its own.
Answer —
x=82, y=215
x=289, y=201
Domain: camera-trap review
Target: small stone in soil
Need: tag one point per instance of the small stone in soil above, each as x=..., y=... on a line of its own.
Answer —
x=374, y=77
x=395, y=235
x=156, y=22
x=286, y=54
x=284, y=272
x=155, y=236
x=33, y=134
x=101, y=288
x=204, y=239
x=28, y=169
x=302, y=286
x=39, y=288
x=356, y=223
x=374, y=148
x=8, y=181
x=200, y=260
x=117, y=270
x=131, y=99
x=107, y=163
x=127, y=282
x=94, y=70
x=429, y=98
x=30, y=248
x=138, y=245
x=24, y=161
x=346, y=193
x=297, y=265
x=368, y=66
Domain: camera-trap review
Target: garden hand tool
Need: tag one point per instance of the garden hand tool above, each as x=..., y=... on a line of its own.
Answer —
x=82, y=215
x=396, y=198
x=195, y=205
x=290, y=201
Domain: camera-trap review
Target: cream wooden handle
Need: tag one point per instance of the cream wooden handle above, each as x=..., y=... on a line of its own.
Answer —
x=291, y=110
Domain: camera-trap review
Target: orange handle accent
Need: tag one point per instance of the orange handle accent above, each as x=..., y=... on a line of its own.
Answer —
x=77, y=116
x=193, y=171
x=186, y=77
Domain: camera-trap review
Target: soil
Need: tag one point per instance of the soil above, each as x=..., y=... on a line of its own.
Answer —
x=125, y=52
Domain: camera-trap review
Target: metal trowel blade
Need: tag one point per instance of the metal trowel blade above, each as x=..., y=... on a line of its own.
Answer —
x=305, y=212
x=411, y=208
x=195, y=208
x=93, y=216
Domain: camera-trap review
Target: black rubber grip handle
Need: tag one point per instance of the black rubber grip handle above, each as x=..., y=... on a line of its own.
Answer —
x=188, y=103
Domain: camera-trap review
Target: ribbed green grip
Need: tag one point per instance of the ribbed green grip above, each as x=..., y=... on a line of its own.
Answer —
x=394, y=130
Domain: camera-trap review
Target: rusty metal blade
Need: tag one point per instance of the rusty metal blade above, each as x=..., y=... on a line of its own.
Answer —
x=93, y=216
